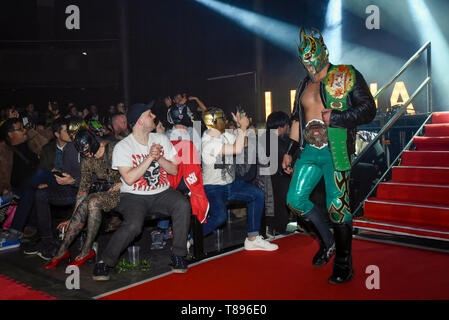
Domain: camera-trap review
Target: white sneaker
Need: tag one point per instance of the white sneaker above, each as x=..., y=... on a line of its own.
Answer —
x=260, y=244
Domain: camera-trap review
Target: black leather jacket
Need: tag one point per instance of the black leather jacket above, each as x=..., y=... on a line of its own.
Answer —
x=361, y=109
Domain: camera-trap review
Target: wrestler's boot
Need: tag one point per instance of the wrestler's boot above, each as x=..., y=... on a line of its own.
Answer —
x=342, y=270
x=315, y=225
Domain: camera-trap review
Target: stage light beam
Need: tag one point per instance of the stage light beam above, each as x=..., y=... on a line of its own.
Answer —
x=333, y=30
x=429, y=30
x=277, y=32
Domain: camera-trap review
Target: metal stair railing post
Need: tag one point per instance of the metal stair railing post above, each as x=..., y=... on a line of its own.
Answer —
x=386, y=127
x=429, y=75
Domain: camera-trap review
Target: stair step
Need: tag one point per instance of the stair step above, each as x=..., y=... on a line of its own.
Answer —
x=425, y=158
x=407, y=212
x=400, y=191
x=437, y=175
x=400, y=228
x=437, y=130
x=431, y=143
x=440, y=117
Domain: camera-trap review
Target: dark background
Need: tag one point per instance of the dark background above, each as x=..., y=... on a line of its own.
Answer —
x=174, y=46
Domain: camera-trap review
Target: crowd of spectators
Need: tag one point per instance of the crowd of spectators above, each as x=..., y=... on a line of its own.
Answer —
x=131, y=162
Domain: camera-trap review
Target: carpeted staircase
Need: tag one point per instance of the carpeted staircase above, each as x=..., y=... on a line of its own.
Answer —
x=415, y=201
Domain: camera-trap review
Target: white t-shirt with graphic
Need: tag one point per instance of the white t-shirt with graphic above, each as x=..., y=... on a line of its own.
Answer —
x=130, y=153
x=214, y=170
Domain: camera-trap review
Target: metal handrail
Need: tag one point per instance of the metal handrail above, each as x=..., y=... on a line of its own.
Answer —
x=392, y=163
x=405, y=67
x=390, y=123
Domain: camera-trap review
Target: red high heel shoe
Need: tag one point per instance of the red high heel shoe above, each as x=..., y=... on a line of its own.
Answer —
x=55, y=261
x=80, y=261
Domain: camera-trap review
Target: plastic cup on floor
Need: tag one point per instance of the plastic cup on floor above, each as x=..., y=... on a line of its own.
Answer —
x=133, y=253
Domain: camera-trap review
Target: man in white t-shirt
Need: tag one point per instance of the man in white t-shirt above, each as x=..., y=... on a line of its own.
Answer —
x=144, y=159
x=219, y=178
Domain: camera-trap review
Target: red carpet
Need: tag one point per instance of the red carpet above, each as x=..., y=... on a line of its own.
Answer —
x=13, y=290
x=288, y=274
x=417, y=197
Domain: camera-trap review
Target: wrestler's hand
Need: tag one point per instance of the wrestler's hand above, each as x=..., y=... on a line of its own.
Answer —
x=326, y=114
x=287, y=164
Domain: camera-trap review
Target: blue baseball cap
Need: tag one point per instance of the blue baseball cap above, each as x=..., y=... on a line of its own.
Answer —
x=136, y=110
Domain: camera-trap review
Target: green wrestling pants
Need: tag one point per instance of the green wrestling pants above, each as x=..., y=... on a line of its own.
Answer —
x=310, y=167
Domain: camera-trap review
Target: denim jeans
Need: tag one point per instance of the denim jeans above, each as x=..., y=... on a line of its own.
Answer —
x=26, y=192
x=56, y=195
x=219, y=195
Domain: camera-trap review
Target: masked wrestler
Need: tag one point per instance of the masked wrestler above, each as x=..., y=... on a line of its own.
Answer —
x=330, y=102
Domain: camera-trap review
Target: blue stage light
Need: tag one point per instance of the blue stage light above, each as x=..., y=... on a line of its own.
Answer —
x=332, y=33
x=277, y=32
x=429, y=30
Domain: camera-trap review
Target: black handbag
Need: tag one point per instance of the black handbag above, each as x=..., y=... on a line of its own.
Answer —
x=102, y=185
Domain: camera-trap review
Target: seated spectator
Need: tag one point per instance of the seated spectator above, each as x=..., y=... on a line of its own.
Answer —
x=40, y=128
x=183, y=129
x=107, y=117
x=195, y=106
x=53, y=112
x=121, y=108
x=275, y=181
x=189, y=179
x=73, y=111
x=160, y=111
x=19, y=173
x=85, y=114
x=119, y=130
x=36, y=139
x=31, y=113
x=168, y=101
x=219, y=178
x=143, y=160
x=91, y=199
x=57, y=157
x=119, y=127
x=93, y=113
x=12, y=112
x=160, y=128
x=231, y=125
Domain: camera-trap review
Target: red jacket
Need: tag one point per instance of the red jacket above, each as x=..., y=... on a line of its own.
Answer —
x=189, y=168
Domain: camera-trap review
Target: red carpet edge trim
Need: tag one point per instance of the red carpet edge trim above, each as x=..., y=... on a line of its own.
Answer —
x=45, y=295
